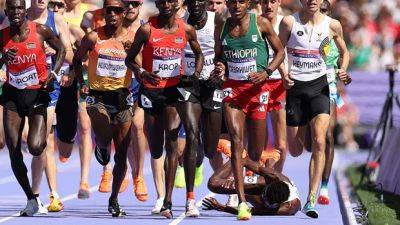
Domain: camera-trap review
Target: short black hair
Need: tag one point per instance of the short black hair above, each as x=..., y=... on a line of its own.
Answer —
x=277, y=192
x=10, y=1
x=326, y=6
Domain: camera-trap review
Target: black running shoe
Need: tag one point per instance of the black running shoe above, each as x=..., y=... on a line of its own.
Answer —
x=166, y=210
x=102, y=155
x=115, y=210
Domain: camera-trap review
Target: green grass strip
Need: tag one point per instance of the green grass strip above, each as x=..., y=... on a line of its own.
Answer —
x=379, y=213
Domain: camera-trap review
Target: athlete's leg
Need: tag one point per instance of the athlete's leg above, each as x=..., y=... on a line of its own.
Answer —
x=235, y=122
x=13, y=126
x=295, y=140
x=278, y=119
x=85, y=145
x=212, y=121
x=2, y=139
x=190, y=115
x=319, y=126
x=256, y=132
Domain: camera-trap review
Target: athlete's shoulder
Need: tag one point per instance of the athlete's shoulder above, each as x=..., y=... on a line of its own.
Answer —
x=288, y=20
x=92, y=36
x=334, y=24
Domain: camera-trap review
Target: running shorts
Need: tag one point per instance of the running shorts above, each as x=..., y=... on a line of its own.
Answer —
x=55, y=94
x=67, y=113
x=277, y=95
x=154, y=99
x=307, y=99
x=26, y=102
x=210, y=97
x=251, y=99
x=117, y=104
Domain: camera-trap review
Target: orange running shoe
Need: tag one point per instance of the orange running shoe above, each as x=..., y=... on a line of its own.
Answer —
x=84, y=192
x=124, y=185
x=105, y=183
x=62, y=158
x=140, y=189
x=224, y=146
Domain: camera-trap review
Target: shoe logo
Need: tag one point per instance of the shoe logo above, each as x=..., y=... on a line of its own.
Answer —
x=157, y=39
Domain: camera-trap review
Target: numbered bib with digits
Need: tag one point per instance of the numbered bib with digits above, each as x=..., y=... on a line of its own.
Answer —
x=167, y=67
x=251, y=179
x=185, y=94
x=218, y=95
x=264, y=97
x=49, y=62
x=90, y=100
x=24, y=78
x=108, y=66
x=129, y=99
x=146, y=103
x=227, y=92
x=239, y=70
x=330, y=74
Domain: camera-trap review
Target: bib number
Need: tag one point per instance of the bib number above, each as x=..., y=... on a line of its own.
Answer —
x=218, y=95
x=108, y=66
x=146, y=103
x=129, y=99
x=227, y=92
x=90, y=100
x=251, y=179
x=264, y=98
x=24, y=79
x=63, y=71
x=167, y=67
x=185, y=94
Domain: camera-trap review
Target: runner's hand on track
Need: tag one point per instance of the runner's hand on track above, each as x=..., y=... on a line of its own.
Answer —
x=287, y=81
x=258, y=77
x=211, y=203
x=152, y=78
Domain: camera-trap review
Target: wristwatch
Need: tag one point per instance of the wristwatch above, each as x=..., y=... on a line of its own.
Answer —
x=269, y=72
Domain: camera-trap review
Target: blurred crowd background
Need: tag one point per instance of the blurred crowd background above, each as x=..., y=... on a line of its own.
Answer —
x=372, y=33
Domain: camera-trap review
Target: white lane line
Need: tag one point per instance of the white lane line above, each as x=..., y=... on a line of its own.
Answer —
x=65, y=199
x=198, y=204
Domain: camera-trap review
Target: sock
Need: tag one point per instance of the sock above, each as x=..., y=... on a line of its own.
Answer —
x=55, y=194
x=324, y=184
x=35, y=195
x=190, y=195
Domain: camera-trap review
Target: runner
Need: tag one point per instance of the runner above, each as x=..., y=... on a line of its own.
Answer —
x=163, y=40
x=24, y=93
x=277, y=93
x=246, y=93
x=39, y=13
x=204, y=104
x=307, y=35
x=331, y=61
x=219, y=7
x=270, y=192
x=109, y=101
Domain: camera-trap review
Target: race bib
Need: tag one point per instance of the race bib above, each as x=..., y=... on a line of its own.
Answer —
x=185, y=94
x=167, y=67
x=90, y=100
x=264, y=98
x=129, y=99
x=251, y=179
x=49, y=63
x=227, y=92
x=108, y=66
x=63, y=71
x=218, y=95
x=208, y=66
x=330, y=74
x=240, y=70
x=146, y=103
x=24, y=78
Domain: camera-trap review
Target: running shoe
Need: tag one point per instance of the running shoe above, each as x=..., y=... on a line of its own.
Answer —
x=310, y=210
x=323, y=198
x=157, y=207
x=124, y=185
x=84, y=192
x=55, y=204
x=198, y=177
x=31, y=208
x=191, y=208
x=105, y=183
x=115, y=209
x=244, y=212
x=140, y=189
x=233, y=201
x=62, y=158
x=180, y=177
x=166, y=211
x=102, y=155
x=42, y=210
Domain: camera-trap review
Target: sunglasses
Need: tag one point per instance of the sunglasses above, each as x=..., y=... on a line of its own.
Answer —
x=116, y=10
x=59, y=5
x=134, y=4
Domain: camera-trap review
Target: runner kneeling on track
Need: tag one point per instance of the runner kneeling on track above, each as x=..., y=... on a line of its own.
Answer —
x=270, y=192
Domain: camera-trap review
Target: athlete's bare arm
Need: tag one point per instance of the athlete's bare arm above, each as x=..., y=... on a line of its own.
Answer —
x=337, y=35
x=285, y=28
x=62, y=28
x=195, y=46
x=133, y=62
x=266, y=28
x=87, y=44
x=219, y=71
x=266, y=172
x=55, y=43
x=87, y=21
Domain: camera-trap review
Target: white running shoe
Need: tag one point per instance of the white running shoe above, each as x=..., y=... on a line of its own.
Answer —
x=31, y=208
x=191, y=208
x=233, y=201
x=42, y=210
x=157, y=207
